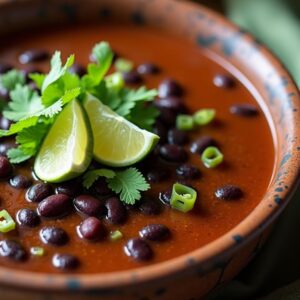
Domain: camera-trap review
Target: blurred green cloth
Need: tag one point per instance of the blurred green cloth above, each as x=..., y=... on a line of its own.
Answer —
x=276, y=23
x=275, y=272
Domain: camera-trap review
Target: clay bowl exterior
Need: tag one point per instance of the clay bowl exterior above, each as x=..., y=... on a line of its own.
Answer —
x=195, y=274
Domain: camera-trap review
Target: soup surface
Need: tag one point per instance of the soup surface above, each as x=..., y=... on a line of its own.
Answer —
x=246, y=143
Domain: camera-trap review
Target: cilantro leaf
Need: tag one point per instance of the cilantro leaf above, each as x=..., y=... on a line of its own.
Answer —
x=125, y=108
x=57, y=106
x=96, y=72
x=16, y=155
x=130, y=97
x=11, y=79
x=57, y=70
x=141, y=94
x=57, y=90
x=24, y=102
x=29, y=140
x=144, y=116
x=128, y=184
x=17, y=127
x=91, y=176
x=38, y=79
x=103, y=55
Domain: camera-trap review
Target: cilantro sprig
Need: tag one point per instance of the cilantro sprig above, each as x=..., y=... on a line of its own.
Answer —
x=33, y=112
x=128, y=183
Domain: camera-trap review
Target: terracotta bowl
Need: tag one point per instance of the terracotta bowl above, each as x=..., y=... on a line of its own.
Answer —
x=195, y=274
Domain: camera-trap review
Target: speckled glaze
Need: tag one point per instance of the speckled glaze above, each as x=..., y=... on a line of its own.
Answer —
x=193, y=275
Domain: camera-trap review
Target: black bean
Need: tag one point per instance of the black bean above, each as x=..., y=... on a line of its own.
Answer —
x=5, y=167
x=116, y=212
x=173, y=153
x=177, y=137
x=5, y=123
x=101, y=187
x=91, y=229
x=161, y=131
x=89, y=205
x=33, y=55
x=39, y=192
x=188, y=171
x=71, y=188
x=138, y=249
x=7, y=145
x=165, y=196
x=12, y=250
x=65, y=261
x=20, y=182
x=54, y=235
x=155, y=232
x=202, y=143
x=172, y=103
x=224, y=81
x=148, y=68
x=169, y=87
x=132, y=77
x=28, y=217
x=4, y=94
x=78, y=70
x=244, y=110
x=55, y=206
x=157, y=175
x=167, y=116
x=149, y=206
x=229, y=192
x=5, y=68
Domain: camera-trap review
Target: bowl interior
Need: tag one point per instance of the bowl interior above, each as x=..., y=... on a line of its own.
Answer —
x=266, y=78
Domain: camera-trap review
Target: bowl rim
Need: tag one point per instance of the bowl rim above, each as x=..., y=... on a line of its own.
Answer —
x=249, y=228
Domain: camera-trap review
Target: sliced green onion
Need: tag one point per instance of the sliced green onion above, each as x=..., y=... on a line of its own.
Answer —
x=184, y=122
x=212, y=157
x=115, y=81
x=7, y=224
x=123, y=65
x=116, y=235
x=183, y=197
x=204, y=116
x=37, y=251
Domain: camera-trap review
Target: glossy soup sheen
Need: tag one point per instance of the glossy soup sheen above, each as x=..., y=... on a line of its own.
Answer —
x=245, y=142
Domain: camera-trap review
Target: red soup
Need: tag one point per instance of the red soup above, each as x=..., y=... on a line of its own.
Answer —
x=226, y=193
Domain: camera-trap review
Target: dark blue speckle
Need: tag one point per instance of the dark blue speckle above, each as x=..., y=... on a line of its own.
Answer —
x=206, y=41
x=298, y=148
x=230, y=43
x=138, y=18
x=270, y=205
x=285, y=159
x=279, y=189
x=277, y=199
x=73, y=284
x=237, y=238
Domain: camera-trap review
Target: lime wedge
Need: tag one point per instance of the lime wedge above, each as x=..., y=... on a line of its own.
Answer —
x=117, y=142
x=67, y=149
